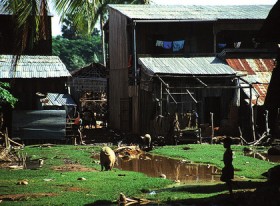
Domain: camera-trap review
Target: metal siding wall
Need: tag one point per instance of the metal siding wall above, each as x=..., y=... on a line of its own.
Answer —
x=39, y=124
x=118, y=53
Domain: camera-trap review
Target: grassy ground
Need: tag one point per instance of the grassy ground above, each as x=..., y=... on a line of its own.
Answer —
x=57, y=182
x=245, y=166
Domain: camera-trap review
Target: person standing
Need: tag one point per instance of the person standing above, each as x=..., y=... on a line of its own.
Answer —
x=77, y=129
x=228, y=170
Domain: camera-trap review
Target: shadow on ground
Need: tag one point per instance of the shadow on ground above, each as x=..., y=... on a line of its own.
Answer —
x=246, y=193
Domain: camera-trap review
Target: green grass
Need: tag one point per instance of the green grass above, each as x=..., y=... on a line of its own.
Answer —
x=67, y=190
x=100, y=187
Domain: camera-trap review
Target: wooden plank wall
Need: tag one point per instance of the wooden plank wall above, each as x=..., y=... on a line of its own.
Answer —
x=118, y=51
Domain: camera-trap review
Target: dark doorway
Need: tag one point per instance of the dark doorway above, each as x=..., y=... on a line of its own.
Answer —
x=125, y=111
x=212, y=105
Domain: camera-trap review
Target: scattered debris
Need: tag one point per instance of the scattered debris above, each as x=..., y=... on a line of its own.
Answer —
x=16, y=167
x=128, y=152
x=48, y=180
x=125, y=201
x=22, y=182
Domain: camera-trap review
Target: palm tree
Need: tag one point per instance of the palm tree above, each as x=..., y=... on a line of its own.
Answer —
x=32, y=25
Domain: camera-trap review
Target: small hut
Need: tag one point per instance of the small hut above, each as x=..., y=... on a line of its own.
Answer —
x=88, y=86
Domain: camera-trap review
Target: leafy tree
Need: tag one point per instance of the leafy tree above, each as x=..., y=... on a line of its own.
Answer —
x=90, y=11
x=76, y=53
x=69, y=29
x=5, y=96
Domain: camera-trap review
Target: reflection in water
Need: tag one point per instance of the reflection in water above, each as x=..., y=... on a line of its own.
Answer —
x=28, y=164
x=175, y=170
x=263, y=156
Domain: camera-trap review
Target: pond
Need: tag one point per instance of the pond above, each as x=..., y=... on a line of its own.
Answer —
x=177, y=170
x=262, y=155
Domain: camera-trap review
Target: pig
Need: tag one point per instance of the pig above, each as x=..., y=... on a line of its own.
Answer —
x=147, y=140
x=107, y=158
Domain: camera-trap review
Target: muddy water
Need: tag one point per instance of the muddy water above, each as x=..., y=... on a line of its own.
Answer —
x=156, y=166
x=29, y=164
x=263, y=156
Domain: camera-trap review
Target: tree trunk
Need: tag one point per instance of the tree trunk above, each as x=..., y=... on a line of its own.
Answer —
x=103, y=40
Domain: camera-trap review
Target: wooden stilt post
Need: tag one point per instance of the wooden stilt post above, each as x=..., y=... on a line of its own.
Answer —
x=7, y=142
x=160, y=98
x=252, y=115
x=266, y=122
x=212, y=126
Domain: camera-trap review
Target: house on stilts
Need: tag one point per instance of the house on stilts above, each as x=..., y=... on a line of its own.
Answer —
x=165, y=73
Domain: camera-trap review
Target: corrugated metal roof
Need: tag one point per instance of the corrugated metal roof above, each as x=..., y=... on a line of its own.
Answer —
x=192, y=12
x=186, y=66
x=55, y=99
x=33, y=67
x=258, y=72
x=3, y=11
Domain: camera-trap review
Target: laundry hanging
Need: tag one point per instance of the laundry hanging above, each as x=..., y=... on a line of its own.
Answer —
x=159, y=43
x=178, y=45
x=167, y=44
x=175, y=45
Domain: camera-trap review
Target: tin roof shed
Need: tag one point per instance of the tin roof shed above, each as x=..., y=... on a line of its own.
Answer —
x=32, y=67
x=186, y=66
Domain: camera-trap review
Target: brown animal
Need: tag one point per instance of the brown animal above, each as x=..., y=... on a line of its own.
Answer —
x=107, y=158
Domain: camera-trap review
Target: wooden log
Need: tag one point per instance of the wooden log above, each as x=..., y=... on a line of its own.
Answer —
x=10, y=140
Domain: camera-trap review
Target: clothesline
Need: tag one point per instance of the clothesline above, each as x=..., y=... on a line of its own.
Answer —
x=175, y=45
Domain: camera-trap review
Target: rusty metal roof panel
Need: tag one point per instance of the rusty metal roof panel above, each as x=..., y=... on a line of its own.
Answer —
x=192, y=12
x=257, y=72
x=258, y=93
x=185, y=66
x=33, y=67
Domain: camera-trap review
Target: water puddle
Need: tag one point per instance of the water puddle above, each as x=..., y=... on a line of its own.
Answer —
x=263, y=156
x=179, y=171
x=28, y=164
